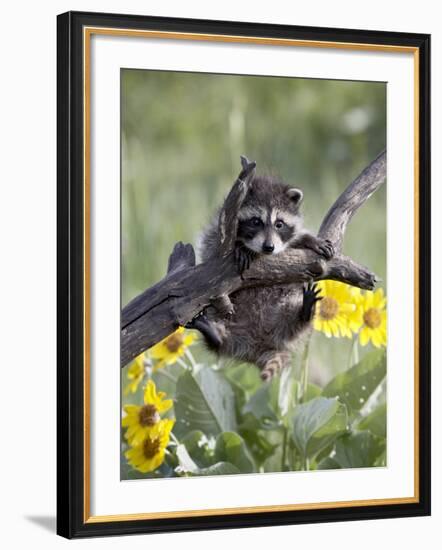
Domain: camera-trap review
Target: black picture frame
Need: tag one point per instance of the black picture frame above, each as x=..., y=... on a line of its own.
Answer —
x=71, y=497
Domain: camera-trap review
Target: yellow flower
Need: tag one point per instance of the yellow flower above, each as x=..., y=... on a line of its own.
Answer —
x=336, y=314
x=171, y=348
x=148, y=455
x=140, y=420
x=135, y=374
x=373, y=317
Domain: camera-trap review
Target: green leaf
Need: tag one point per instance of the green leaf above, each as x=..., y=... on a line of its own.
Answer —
x=358, y=450
x=325, y=452
x=188, y=466
x=381, y=460
x=288, y=387
x=204, y=402
x=273, y=462
x=164, y=470
x=354, y=386
x=165, y=378
x=376, y=421
x=328, y=464
x=259, y=444
x=318, y=423
x=196, y=444
x=230, y=447
x=244, y=376
x=244, y=379
x=219, y=469
x=312, y=391
x=263, y=405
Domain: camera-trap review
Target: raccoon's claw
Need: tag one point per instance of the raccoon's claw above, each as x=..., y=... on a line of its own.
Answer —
x=311, y=295
x=207, y=329
x=325, y=248
x=243, y=258
x=229, y=310
x=224, y=305
x=322, y=247
x=192, y=324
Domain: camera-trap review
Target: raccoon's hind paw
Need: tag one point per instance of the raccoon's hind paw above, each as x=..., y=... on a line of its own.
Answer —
x=243, y=257
x=310, y=297
x=223, y=305
x=208, y=329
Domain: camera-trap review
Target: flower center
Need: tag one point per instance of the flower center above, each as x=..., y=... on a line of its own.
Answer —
x=372, y=317
x=151, y=447
x=328, y=308
x=148, y=415
x=174, y=342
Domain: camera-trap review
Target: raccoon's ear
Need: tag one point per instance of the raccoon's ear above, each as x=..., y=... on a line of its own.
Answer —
x=295, y=195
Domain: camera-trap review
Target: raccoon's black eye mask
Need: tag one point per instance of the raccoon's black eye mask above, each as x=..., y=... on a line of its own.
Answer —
x=247, y=229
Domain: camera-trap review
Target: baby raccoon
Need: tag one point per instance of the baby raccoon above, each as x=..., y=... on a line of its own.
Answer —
x=262, y=324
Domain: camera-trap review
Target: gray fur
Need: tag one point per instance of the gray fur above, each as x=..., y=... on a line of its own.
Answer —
x=266, y=194
x=263, y=324
x=264, y=327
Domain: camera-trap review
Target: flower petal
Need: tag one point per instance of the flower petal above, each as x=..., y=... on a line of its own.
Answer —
x=364, y=336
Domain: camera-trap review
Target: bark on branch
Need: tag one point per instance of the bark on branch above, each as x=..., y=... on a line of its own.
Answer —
x=188, y=288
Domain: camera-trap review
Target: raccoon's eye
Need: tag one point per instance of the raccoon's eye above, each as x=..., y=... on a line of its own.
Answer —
x=279, y=224
x=256, y=222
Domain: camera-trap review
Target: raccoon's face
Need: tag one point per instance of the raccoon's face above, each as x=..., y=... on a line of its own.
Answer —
x=269, y=229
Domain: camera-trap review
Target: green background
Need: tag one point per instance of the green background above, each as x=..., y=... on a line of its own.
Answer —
x=183, y=133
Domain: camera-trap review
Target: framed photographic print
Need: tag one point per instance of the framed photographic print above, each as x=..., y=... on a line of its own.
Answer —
x=243, y=274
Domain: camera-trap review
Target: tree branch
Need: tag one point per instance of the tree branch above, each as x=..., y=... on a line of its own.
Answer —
x=228, y=216
x=335, y=222
x=188, y=288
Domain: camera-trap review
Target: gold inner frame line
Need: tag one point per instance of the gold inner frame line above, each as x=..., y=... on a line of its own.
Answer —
x=87, y=34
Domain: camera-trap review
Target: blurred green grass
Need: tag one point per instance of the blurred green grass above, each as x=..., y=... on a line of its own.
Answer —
x=182, y=134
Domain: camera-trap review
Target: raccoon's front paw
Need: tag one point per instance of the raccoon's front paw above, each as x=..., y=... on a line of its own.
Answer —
x=324, y=247
x=243, y=257
x=310, y=297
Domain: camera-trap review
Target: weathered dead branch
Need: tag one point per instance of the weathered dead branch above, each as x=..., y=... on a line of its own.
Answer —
x=188, y=288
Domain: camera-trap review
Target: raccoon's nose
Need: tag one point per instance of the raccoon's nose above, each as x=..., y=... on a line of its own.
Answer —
x=268, y=248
